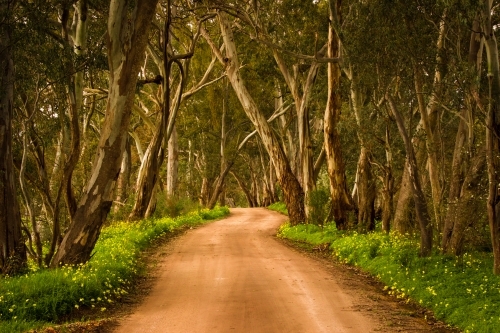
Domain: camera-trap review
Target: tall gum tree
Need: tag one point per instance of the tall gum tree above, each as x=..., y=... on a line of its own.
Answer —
x=492, y=131
x=292, y=191
x=127, y=35
x=341, y=200
x=12, y=248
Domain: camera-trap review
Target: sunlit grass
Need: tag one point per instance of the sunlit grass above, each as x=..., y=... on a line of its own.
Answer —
x=462, y=291
x=279, y=207
x=43, y=296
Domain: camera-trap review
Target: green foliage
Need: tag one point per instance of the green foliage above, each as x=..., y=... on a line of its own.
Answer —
x=461, y=291
x=279, y=207
x=43, y=296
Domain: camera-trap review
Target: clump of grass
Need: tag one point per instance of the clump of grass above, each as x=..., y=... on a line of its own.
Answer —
x=279, y=207
x=35, y=299
x=462, y=291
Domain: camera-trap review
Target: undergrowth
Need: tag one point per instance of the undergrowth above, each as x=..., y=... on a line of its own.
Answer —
x=44, y=296
x=462, y=291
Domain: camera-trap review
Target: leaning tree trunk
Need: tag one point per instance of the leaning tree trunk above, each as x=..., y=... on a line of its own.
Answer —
x=246, y=191
x=292, y=191
x=493, y=133
x=13, y=250
x=421, y=210
x=341, y=201
x=124, y=31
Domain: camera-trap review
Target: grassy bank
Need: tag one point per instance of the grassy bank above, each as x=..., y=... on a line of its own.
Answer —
x=461, y=291
x=44, y=296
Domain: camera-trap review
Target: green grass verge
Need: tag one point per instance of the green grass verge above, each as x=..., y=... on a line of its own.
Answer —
x=279, y=207
x=462, y=291
x=38, y=298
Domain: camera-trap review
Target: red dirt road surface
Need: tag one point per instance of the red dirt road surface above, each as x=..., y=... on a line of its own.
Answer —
x=233, y=275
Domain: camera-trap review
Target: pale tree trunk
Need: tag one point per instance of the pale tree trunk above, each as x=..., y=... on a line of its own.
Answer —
x=12, y=247
x=493, y=133
x=266, y=188
x=388, y=186
x=432, y=148
x=42, y=185
x=124, y=177
x=124, y=31
x=403, y=224
x=292, y=191
x=421, y=209
x=172, y=163
x=306, y=170
x=33, y=236
x=429, y=120
x=205, y=191
x=75, y=39
x=341, y=201
x=289, y=145
x=150, y=166
x=153, y=158
x=365, y=190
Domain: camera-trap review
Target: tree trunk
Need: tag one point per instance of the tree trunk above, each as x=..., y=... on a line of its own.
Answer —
x=292, y=191
x=456, y=182
x=403, y=222
x=431, y=144
x=150, y=166
x=248, y=195
x=341, y=201
x=366, y=193
x=464, y=212
x=218, y=186
x=388, y=186
x=493, y=133
x=13, y=250
x=124, y=177
x=464, y=143
x=124, y=64
x=421, y=210
x=172, y=163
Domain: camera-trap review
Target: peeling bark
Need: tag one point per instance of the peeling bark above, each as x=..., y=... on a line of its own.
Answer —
x=124, y=65
x=341, y=200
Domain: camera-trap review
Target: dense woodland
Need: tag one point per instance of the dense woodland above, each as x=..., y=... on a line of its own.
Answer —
x=358, y=112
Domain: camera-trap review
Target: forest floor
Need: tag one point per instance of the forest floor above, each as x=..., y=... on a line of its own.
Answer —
x=235, y=275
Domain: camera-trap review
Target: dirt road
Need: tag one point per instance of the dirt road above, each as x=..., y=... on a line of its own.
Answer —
x=233, y=275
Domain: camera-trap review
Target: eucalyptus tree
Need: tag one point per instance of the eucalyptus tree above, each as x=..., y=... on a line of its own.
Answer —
x=492, y=127
x=467, y=180
x=341, y=200
x=128, y=25
x=13, y=253
x=164, y=60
